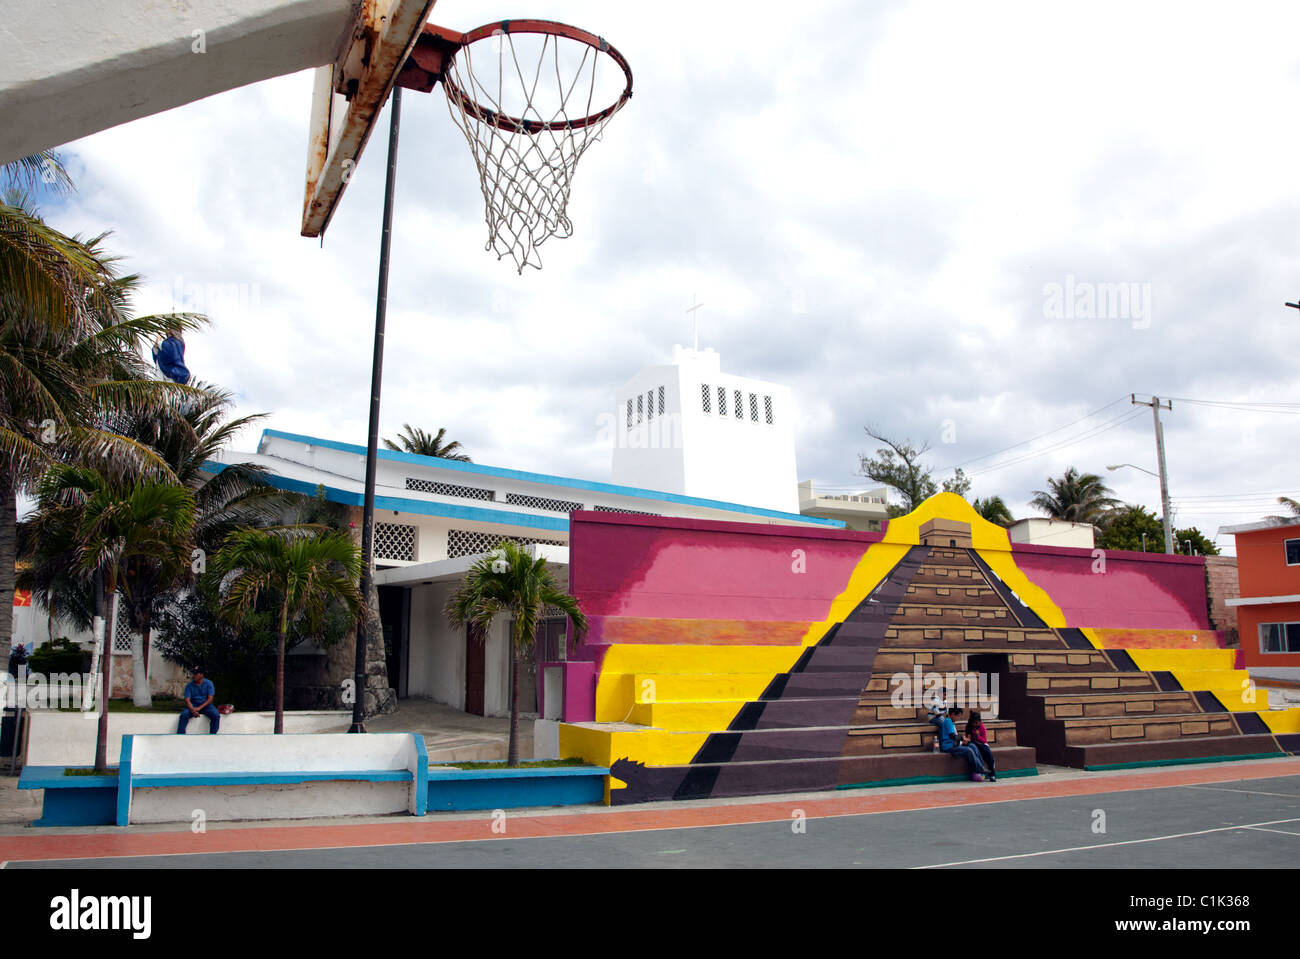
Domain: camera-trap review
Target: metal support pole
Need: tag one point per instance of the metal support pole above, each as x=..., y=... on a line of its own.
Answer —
x=372, y=441
x=1156, y=405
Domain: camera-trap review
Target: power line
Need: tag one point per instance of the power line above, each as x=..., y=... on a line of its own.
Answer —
x=1033, y=439
x=1217, y=496
x=1290, y=408
x=1070, y=441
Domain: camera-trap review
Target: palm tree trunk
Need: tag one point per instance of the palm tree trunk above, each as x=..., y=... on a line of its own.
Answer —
x=139, y=678
x=104, y=640
x=512, y=752
x=279, y=669
x=8, y=554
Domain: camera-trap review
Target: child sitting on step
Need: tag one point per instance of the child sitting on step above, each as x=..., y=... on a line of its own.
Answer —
x=949, y=743
x=978, y=737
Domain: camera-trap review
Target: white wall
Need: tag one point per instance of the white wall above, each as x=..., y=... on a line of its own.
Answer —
x=82, y=67
x=437, y=652
x=68, y=738
x=496, y=682
x=708, y=455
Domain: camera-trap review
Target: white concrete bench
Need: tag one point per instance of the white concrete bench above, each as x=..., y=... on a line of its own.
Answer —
x=169, y=778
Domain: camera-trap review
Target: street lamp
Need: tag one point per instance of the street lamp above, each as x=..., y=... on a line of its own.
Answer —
x=1169, y=532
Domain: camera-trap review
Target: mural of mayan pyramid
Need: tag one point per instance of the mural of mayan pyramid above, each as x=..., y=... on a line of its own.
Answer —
x=730, y=660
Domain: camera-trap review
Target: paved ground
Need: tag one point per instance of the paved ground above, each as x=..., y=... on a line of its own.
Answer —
x=451, y=735
x=1238, y=815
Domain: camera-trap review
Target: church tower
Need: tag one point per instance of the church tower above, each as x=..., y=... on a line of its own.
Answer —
x=689, y=428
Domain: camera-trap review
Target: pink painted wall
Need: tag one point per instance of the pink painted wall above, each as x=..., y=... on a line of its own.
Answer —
x=1136, y=591
x=655, y=568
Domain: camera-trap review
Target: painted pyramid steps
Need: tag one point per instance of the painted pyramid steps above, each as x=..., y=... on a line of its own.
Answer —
x=731, y=778
x=1065, y=715
x=1167, y=752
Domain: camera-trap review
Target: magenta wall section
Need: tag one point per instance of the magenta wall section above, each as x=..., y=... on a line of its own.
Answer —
x=1136, y=590
x=646, y=566
x=643, y=567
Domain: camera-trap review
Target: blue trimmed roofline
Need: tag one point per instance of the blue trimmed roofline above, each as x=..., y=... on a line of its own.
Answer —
x=404, y=505
x=544, y=479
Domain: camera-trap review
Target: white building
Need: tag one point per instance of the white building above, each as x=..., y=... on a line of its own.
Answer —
x=1037, y=531
x=433, y=519
x=690, y=429
x=867, y=511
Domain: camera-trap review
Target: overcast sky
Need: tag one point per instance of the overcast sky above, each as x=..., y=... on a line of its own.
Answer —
x=898, y=209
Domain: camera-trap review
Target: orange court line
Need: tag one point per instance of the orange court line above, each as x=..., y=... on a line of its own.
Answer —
x=413, y=830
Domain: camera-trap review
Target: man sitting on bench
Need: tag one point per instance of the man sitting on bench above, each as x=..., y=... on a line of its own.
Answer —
x=198, y=702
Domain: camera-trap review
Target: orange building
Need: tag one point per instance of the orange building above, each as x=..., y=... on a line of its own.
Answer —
x=1268, y=609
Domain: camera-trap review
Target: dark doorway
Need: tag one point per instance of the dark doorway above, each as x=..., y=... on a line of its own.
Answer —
x=395, y=617
x=475, y=670
x=987, y=663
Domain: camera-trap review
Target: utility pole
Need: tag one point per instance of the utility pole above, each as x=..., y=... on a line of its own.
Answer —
x=1156, y=404
x=372, y=440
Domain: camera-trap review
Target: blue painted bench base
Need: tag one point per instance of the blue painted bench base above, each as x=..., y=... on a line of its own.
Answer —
x=153, y=780
x=72, y=800
x=504, y=788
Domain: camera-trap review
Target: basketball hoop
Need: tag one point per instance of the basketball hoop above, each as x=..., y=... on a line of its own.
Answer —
x=528, y=96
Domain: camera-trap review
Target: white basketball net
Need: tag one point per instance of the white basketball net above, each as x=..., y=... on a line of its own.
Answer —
x=526, y=169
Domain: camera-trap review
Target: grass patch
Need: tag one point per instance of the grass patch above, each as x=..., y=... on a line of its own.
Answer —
x=110, y=771
x=530, y=764
x=160, y=704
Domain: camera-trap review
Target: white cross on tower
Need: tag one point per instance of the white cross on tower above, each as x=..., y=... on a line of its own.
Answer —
x=696, y=317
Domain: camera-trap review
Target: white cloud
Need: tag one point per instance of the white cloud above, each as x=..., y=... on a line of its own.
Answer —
x=868, y=201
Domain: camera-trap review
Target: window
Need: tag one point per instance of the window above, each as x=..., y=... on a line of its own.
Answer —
x=620, y=509
x=1293, y=552
x=1279, y=637
x=740, y=414
x=541, y=502
x=395, y=541
x=629, y=414
x=704, y=398
x=465, y=542
x=449, y=489
x=640, y=408
x=661, y=401
x=650, y=405
x=122, y=635
x=767, y=406
x=722, y=401
x=753, y=407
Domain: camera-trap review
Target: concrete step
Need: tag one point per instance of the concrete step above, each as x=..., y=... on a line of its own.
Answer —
x=718, y=780
x=1162, y=751
x=890, y=738
x=964, y=636
x=1085, y=681
x=1106, y=729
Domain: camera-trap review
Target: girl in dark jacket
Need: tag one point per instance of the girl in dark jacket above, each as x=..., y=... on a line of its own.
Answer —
x=978, y=737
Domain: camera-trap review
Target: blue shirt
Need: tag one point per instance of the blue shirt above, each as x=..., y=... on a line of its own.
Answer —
x=170, y=357
x=196, y=694
x=947, y=733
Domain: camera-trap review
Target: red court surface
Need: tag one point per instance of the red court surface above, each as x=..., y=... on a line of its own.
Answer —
x=134, y=841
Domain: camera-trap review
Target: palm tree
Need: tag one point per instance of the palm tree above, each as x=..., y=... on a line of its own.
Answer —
x=419, y=442
x=993, y=510
x=305, y=568
x=1292, y=508
x=1076, y=497
x=98, y=525
x=187, y=435
x=509, y=580
x=69, y=356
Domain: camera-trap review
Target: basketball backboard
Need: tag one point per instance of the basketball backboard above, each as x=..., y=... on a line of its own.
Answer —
x=348, y=96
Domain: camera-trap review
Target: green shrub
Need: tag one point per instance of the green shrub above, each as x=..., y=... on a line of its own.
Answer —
x=59, y=656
